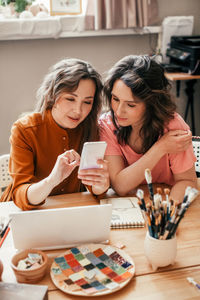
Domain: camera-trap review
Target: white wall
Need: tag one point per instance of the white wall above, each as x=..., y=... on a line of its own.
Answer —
x=24, y=63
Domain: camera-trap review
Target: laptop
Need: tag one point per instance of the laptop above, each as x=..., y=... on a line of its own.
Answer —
x=61, y=227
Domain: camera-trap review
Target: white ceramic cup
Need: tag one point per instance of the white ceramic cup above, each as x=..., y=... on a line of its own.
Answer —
x=160, y=253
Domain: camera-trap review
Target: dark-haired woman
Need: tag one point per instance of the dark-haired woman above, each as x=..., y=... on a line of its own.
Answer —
x=46, y=144
x=143, y=130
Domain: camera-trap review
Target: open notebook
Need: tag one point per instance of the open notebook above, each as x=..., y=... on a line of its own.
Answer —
x=126, y=212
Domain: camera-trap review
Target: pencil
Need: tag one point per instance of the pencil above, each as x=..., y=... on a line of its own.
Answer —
x=4, y=236
x=5, y=227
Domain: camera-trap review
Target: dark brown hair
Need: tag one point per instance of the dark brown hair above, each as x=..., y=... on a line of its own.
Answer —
x=65, y=76
x=146, y=79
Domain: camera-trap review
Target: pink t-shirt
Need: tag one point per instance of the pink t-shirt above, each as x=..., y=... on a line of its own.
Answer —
x=167, y=166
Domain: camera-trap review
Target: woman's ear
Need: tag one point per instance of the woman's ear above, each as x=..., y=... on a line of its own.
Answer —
x=55, y=103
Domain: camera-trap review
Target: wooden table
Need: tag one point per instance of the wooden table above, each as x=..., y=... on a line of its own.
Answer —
x=189, y=90
x=161, y=284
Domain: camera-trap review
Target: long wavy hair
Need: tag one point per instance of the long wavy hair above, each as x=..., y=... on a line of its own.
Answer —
x=65, y=76
x=146, y=79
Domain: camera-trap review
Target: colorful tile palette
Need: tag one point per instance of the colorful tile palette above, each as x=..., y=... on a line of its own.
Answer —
x=92, y=270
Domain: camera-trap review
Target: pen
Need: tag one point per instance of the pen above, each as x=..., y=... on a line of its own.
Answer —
x=4, y=236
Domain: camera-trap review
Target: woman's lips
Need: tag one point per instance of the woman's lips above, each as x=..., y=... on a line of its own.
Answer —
x=74, y=119
x=121, y=119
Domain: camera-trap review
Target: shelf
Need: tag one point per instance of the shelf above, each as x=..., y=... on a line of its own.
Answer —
x=116, y=32
x=60, y=27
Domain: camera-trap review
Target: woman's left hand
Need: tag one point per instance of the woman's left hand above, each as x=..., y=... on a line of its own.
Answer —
x=98, y=178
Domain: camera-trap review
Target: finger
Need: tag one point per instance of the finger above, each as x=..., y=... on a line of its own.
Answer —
x=185, y=136
x=72, y=155
x=66, y=161
x=72, y=166
x=101, y=170
x=103, y=163
x=178, y=132
x=91, y=182
x=74, y=163
x=93, y=177
x=75, y=155
x=93, y=172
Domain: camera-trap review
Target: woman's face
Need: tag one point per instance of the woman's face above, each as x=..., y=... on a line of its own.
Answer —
x=127, y=109
x=72, y=108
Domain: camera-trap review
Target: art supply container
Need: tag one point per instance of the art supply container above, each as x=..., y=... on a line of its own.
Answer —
x=160, y=253
x=29, y=275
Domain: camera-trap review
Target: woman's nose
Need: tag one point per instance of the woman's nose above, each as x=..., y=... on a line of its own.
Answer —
x=120, y=109
x=77, y=108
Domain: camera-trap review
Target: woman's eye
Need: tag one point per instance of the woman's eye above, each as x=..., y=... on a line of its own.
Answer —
x=69, y=99
x=131, y=105
x=88, y=102
x=115, y=99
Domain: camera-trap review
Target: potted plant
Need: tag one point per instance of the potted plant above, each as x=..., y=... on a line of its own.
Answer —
x=19, y=5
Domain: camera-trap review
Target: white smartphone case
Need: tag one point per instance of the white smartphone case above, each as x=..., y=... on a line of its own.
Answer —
x=91, y=152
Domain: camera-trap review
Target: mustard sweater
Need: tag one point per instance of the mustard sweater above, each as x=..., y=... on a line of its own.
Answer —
x=36, y=143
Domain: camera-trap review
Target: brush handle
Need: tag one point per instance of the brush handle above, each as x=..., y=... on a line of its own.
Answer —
x=150, y=186
x=198, y=286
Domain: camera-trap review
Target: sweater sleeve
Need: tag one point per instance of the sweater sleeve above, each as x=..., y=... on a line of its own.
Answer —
x=21, y=167
x=98, y=197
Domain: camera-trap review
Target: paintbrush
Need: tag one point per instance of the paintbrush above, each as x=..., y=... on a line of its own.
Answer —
x=159, y=191
x=148, y=178
x=167, y=192
x=140, y=195
x=192, y=281
x=193, y=193
x=157, y=199
x=187, y=190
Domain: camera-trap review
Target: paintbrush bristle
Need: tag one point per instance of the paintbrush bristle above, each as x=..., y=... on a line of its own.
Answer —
x=167, y=191
x=156, y=200
x=140, y=194
x=159, y=191
x=192, y=194
x=187, y=190
x=148, y=176
x=191, y=280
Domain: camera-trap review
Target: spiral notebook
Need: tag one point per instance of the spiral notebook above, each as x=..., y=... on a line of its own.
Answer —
x=126, y=212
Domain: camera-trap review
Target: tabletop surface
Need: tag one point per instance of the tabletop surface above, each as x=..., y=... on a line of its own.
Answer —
x=163, y=283
x=180, y=76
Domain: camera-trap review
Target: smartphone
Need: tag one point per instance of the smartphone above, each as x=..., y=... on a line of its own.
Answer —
x=91, y=152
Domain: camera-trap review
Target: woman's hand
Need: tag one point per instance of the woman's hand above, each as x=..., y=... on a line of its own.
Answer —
x=98, y=178
x=175, y=141
x=65, y=164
